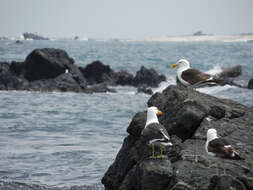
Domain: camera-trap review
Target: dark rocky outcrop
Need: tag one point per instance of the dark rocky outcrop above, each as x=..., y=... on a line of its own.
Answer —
x=46, y=64
x=148, y=77
x=250, y=84
x=145, y=90
x=44, y=70
x=8, y=79
x=231, y=72
x=124, y=78
x=96, y=72
x=50, y=69
x=186, y=166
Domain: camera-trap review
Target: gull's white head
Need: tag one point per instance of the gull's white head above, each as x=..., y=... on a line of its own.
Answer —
x=154, y=110
x=211, y=134
x=182, y=63
x=152, y=113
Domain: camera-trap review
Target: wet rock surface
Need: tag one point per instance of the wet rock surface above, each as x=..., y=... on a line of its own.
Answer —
x=148, y=77
x=52, y=69
x=186, y=165
x=250, y=84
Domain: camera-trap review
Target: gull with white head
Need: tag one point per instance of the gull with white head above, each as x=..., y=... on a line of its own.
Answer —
x=188, y=76
x=219, y=147
x=154, y=133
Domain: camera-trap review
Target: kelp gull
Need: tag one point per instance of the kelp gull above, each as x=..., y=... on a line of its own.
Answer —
x=155, y=133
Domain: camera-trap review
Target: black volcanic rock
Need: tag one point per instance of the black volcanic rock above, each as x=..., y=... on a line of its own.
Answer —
x=145, y=90
x=17, y=67
x=46, y=63
x=148, y=77
x=50, y=69
x=8, y=79
x=96, y=72
x=62, y=83
x=231, y=72
x=124, y=78
x=226, y=182
x=187, y=164
x=250, y=84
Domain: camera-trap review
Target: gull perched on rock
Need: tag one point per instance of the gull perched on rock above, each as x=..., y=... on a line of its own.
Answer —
x=188, y=76
x=219, y=147
x=192, y=78
x=155, y=133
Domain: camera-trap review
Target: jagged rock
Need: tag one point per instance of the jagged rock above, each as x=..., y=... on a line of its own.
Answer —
x=96, y=72
x=192, y=167
x=231, y=72
x=247, y=181
x=226, y=183
x=47, y=70
x=17, y=67
x=124, y=78
x=250, y=84
x=137, y=124
x=46, y=63
x=99, y=88
x=148, y=77
x=8, y=80
x=148, y=174
x=62, y=83
x=144, y=89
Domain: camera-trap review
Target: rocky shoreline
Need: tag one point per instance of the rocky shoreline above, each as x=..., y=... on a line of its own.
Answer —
x=50, y=69
x=187, y=123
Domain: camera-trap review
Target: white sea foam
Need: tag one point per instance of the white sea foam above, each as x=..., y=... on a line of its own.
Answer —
x=170, y=81
x=214, y=90
x=215, y=70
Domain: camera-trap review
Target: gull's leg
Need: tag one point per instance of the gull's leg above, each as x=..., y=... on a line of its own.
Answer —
x=161, y=151
x=190, y=93
x=224, y=169
x=153, y=151
x=217, y=169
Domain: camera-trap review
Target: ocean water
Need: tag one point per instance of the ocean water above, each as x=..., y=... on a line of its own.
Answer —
x=60, y=140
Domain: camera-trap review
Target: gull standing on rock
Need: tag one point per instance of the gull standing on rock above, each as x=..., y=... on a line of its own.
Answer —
x=188, y=76
x=155, y=133
x=191, y=78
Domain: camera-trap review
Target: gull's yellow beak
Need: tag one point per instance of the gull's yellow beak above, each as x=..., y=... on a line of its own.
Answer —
x=159, y=112
x=174, y=65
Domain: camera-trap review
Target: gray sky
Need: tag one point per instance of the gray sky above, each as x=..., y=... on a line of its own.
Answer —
x=124, y=18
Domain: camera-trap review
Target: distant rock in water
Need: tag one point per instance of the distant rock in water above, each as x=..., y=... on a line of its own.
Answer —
x=187, y=165
x=50, y=69
x=231, y=72
x=96, y=72
x=34, y=36
x=250, y=84
x=148, y=77
x=124, y=78
x=19, y=42
x=46, y=63
x=144, y=89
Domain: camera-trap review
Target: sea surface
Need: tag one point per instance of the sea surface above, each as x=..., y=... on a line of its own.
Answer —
x=66, y=140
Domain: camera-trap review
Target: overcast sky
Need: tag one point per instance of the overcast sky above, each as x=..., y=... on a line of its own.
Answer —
x=124, y=18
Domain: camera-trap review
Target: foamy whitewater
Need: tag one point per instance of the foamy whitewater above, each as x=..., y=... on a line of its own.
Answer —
x=62, y=140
